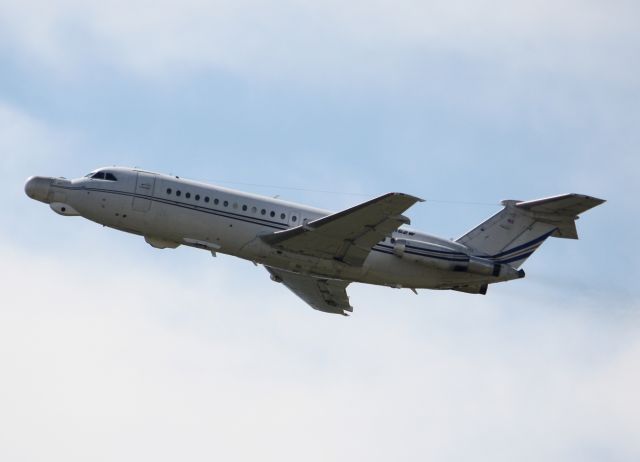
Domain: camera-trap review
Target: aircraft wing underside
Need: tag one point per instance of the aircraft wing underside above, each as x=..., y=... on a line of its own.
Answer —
x=321, y=294
x=347, y=236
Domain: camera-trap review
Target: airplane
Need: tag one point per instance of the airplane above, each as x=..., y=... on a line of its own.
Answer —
x=313, y=252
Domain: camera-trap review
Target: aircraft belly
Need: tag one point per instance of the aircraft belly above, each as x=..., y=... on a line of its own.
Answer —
x=379, y=268
x=182, y=225
x=391, y=270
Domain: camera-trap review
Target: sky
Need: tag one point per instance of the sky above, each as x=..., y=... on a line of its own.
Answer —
x=112, y=350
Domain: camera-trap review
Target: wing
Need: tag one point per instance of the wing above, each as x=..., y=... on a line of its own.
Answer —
x=347, y=236
x=321, y=294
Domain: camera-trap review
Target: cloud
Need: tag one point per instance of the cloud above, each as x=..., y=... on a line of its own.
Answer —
x=111, y=350
x=134, y=360
x=329, y=42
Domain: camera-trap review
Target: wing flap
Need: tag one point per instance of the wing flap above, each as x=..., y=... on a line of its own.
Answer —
x=348, y=235
x=321, y=294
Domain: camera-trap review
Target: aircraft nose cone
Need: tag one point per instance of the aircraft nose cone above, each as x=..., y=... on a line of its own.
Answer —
x=37, y=187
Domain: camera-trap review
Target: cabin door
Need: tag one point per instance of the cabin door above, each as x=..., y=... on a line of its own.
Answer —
x=144, y=192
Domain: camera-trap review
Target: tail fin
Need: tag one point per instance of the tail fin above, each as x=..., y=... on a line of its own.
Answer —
x=514, y=233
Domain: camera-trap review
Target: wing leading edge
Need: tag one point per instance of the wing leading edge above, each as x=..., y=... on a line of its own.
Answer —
x=347, y=236
x=321, y=294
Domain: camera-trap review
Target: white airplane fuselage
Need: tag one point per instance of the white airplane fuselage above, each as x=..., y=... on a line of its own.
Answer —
x=170, y=211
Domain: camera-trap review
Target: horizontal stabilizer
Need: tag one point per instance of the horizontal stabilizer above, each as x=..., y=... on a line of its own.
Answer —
x=566, y=205
x=561, y=211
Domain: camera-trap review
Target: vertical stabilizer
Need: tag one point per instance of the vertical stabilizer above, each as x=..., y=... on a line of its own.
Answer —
x=514, y=233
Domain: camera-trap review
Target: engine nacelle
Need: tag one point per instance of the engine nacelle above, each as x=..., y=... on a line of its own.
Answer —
x=482, y=266
x=448, y=259
x=421, y=251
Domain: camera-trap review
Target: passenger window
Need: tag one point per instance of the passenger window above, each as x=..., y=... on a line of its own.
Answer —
x=272, y=214
x=187, y=195
x=226, y=203
x=168, y=190
x=263, y=211
x=216, y=201
x=282, y=216
x=294, y=218
x=178, y=193
x=206, y=199
x=197, y=197
x=244, y=208
x=254, y=210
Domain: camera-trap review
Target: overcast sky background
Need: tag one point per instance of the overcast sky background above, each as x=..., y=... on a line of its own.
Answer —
x=111, y=350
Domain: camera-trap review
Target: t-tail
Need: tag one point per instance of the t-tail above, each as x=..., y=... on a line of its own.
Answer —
x=514, y=233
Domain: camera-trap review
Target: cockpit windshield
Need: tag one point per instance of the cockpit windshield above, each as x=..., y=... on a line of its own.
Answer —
x=101, y=176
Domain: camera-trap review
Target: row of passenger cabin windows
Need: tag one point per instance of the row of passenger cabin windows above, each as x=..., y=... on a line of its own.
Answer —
x=102, y=176
x=235, y=205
